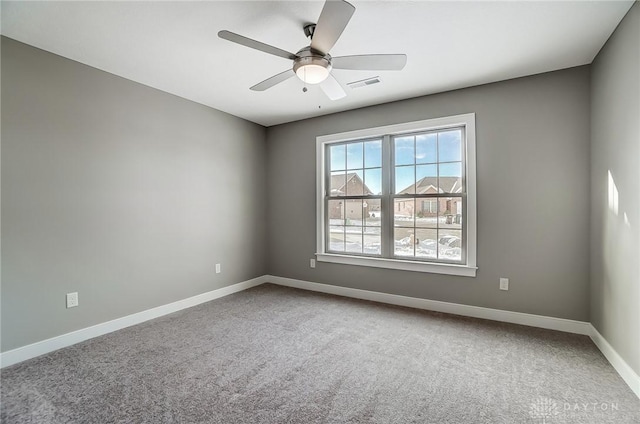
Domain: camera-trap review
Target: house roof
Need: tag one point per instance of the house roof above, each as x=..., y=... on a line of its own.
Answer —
x=430, y=185
x=338, y=183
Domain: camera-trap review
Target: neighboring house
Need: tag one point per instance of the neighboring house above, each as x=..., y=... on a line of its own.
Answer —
x=351, y=185
x=429, y=207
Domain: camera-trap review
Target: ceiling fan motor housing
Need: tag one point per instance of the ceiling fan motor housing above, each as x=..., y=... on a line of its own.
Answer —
x=311, y=59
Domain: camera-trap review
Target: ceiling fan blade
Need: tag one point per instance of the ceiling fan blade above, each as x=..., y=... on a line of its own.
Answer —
x=332, y=88
x=276, y=79
x=371, y=62
x=248, y=42
x=333, y=19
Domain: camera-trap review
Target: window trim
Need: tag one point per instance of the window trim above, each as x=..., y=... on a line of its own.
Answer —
x=469, y=269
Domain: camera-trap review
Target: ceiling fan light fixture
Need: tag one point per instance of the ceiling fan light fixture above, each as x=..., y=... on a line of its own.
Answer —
x=312, y=74
x=312, y=69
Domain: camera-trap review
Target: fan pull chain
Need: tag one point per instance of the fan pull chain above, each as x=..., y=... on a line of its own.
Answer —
x=304, y=81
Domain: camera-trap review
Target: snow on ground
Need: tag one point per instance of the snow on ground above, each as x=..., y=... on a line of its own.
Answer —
x=430, y=238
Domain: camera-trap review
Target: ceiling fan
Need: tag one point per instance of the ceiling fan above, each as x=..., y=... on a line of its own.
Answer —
x=313, y=64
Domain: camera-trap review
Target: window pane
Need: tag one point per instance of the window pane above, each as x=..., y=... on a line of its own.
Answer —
x=337, y=155
x=450, y=215
x=353, y=239
x=336, y=238
x=373, y=181
x=426, y=179
x=372, y=212
x=373, y=154
x=450, y=146
x=453, y=169
x=353, y=212
x=404, y=153
x=355, y=184
x=354, y=156
x=426, y=148
x=338, y=181
x=450, y=180
x=450, y=245
x=372, y=241
x=427, y=243
x=427, y=213
x=403, y=212
x=405, y=180
x=403, y=241
x=336, y=212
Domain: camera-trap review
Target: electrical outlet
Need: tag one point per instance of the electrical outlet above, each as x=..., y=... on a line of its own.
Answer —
x=312, y=263
x=218, y=269
x=72, y=300
x=504, y=284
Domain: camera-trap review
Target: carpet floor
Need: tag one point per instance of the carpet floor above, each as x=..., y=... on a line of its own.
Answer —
x=278, y=355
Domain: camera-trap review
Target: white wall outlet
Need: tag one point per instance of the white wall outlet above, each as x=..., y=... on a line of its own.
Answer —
x=504, y=284
x=218, y=269
x=312, y=263
x=72, y=300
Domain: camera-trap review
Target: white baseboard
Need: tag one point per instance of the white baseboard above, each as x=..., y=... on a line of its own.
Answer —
x=619, y=364
x=40, y=348
x=560, y=324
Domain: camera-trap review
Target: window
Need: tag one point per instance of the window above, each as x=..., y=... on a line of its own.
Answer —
x=400, y=196
x=429, y=207
x=353, y=203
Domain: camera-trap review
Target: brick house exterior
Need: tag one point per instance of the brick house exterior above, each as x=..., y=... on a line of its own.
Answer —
x=430, y=207
x=354, y=186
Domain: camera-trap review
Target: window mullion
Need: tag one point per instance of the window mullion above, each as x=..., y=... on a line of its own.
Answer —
x=464, y=197
x=386, y=229
x=327, y=191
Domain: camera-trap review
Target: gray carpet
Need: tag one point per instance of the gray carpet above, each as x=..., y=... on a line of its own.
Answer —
x=278, y=355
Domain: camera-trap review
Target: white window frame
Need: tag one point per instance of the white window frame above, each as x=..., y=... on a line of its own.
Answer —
x=469, y=269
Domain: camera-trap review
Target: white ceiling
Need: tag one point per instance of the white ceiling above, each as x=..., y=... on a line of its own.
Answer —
x=174, y=47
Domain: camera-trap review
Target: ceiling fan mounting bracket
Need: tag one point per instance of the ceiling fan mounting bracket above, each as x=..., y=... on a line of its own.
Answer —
x=309, y=29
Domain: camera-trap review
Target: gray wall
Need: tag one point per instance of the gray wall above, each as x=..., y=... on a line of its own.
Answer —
x=615, y=149
x=533, y=196
x=123, y=193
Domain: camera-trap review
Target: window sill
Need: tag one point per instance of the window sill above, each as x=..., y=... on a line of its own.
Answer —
x=434, y=268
